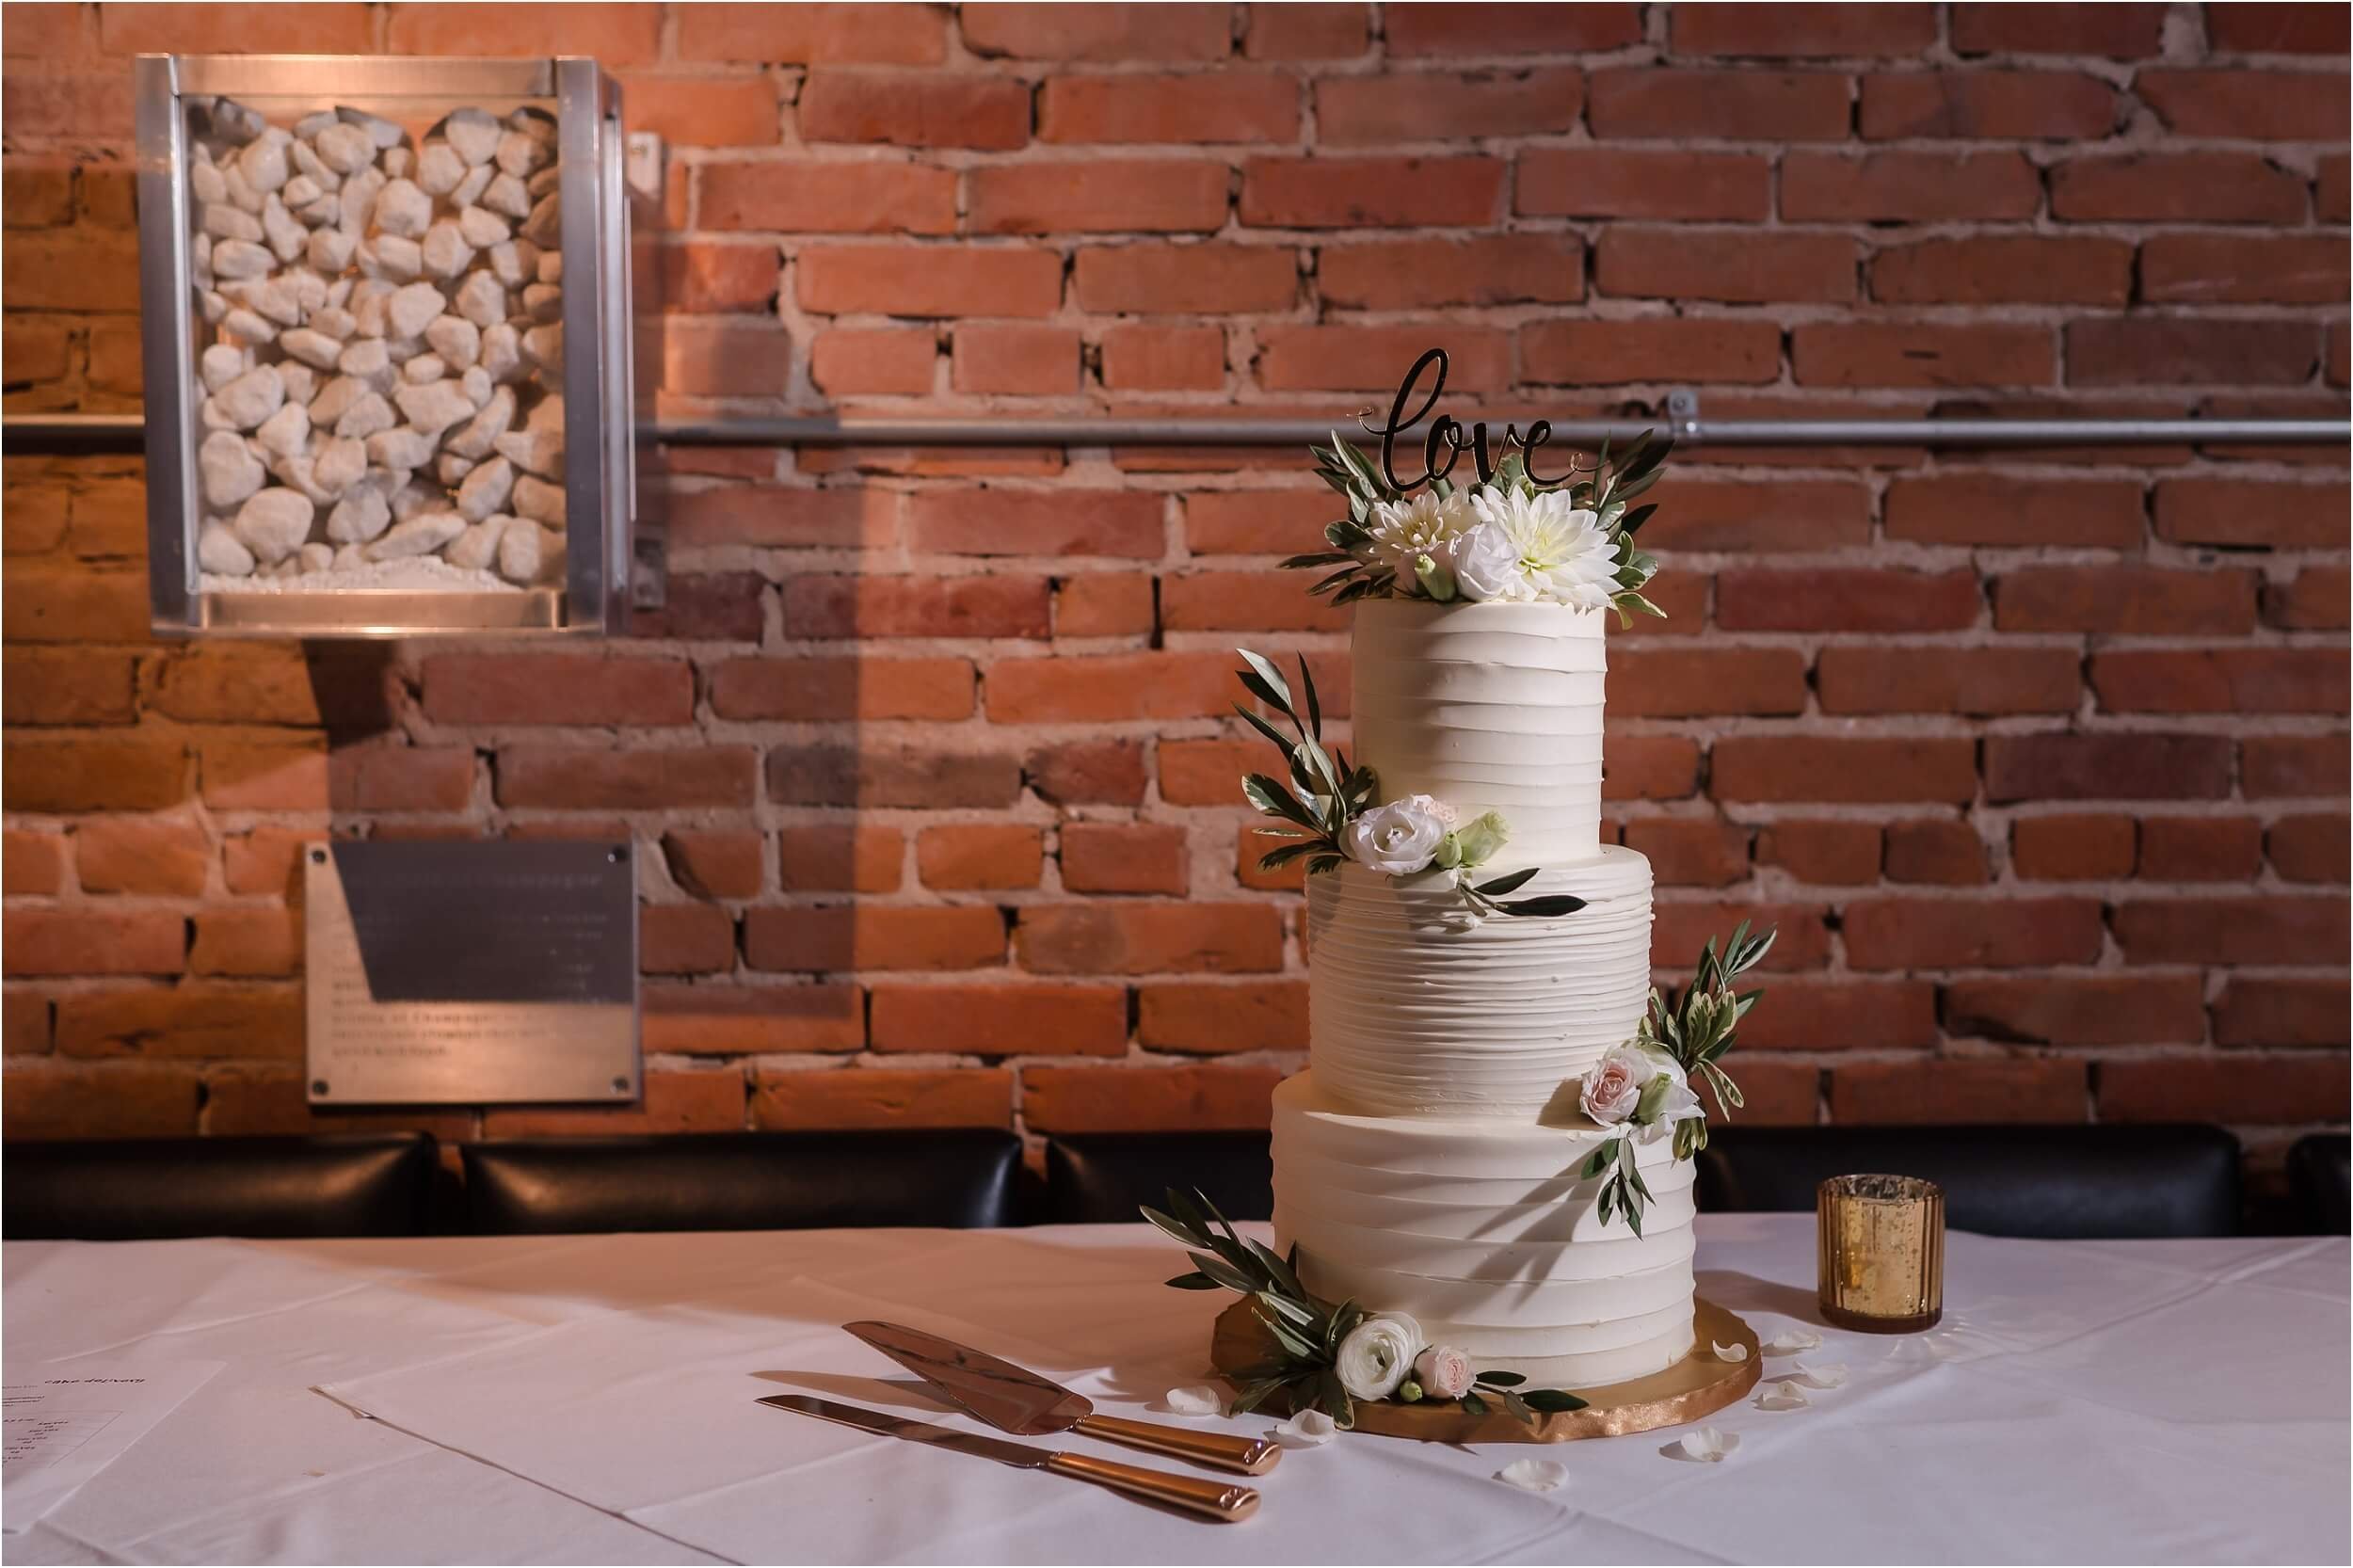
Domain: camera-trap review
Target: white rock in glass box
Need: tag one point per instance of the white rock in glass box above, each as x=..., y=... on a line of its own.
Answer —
x=382, y=387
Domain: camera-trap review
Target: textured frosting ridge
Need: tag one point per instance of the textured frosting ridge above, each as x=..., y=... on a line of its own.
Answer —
x=1412, y=1013
x=1483, y=1234
x=1488, y=707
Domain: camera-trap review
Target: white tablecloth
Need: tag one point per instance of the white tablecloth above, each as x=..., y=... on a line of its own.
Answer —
x=589, y=1399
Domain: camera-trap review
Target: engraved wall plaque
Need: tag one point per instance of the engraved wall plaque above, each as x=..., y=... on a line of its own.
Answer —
x=471, y=973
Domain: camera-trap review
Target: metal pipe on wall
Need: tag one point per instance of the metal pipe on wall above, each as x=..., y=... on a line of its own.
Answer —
x=48, y=434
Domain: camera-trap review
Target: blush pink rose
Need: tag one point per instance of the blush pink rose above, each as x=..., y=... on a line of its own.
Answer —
x=1613, y=1086
x=1443, y=1371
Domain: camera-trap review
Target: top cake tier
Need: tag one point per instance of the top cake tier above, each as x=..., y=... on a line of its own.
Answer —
x=1487, y=706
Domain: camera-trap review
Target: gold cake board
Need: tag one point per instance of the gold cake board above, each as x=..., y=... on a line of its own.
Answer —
x=1699, y=1385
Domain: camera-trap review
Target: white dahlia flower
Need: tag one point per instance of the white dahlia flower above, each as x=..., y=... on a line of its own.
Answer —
x=1404, y=531
x=1535, y=549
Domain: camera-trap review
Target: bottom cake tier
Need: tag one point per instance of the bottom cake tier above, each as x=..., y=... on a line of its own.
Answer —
x=1479, y=1229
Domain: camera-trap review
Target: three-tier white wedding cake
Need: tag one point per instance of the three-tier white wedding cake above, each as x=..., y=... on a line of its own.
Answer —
x=1429, y=1161
x=1483, y=1180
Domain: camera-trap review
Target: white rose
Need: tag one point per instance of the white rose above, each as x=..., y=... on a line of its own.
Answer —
x=1486, y=567
x=1443, y=1371
x=1401, y=838
x=1375, y=1357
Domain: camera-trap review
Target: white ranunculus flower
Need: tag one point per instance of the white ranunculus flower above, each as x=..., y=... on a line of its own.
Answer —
x=1559, y=554
x=1377, y=1354
x=1403, y=531
x=1401, y=838
x=1680, y=1105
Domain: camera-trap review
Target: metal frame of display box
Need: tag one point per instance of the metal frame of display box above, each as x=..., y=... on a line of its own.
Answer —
x=600, y=384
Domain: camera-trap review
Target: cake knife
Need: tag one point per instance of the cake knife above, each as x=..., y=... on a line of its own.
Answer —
x=1229, y=1502
x=1020, y=1402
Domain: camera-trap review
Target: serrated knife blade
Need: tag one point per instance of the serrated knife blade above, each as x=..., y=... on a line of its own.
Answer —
x=1227, y=1502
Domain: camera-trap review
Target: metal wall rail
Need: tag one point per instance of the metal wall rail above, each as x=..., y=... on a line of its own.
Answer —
x=47, y=434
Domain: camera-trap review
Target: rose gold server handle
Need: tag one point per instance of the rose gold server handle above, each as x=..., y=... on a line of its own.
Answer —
x=1225, y=1501
x=1249, y=1456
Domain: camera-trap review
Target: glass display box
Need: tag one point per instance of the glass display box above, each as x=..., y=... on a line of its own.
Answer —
x=388, y=314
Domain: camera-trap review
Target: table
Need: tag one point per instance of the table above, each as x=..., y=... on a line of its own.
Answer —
x=589, y=1399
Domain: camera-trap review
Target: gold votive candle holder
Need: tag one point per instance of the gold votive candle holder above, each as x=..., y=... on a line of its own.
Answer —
x=1881, y=1252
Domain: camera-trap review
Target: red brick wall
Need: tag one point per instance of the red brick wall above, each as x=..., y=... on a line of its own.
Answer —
x=2038, y=760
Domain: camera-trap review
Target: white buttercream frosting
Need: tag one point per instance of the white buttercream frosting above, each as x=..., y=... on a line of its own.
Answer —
x=1412, y=1011
x=1488, y=707
x=1427, y=1164
x=1482, y=1232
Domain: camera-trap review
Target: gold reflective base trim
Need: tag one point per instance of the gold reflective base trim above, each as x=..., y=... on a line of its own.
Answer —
x=1697, y=1386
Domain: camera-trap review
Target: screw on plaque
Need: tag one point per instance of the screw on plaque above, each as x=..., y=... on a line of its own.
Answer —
x=318, y=1086
x=318, y=858
x=615, y=855
x=620, y=1086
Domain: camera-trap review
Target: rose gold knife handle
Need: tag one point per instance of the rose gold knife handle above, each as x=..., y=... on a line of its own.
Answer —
x=1226, y=1501
x=1249, y=1456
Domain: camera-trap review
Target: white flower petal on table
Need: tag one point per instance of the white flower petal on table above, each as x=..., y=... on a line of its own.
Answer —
x=1703, y=1446
x=1534, y=1474
x=1733, y=1353
x=1782, y=1396
x=1309, y=1428
x=1196, y=1399
x=1828, y=1375
x=1792, y=1341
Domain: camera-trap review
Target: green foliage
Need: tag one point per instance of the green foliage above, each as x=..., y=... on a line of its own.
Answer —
x=1322, y=793
x=1487, y=898
x=1345, y=470
x=1696, y=1030
x=1308, y=1331
x=1609, y=491
x=1625, y=1194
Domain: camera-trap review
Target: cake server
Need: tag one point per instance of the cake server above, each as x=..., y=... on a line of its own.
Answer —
x=1227, y=1501
x=1021, y=1403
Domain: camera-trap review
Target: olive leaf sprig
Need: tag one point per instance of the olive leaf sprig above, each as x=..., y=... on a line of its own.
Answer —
x=1607, y=490
x=1489, y=897
x=1626, y=1194
x=1344, y=468
x=1304, y=1364
x=1322, y=793
x=1308, y=1331
x=1698, y=1028
x=1694, y=1032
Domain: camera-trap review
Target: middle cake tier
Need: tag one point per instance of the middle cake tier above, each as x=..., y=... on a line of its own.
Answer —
x=1414, y=1011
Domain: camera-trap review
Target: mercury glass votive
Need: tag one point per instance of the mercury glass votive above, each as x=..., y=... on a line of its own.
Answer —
x=1881, y=1252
